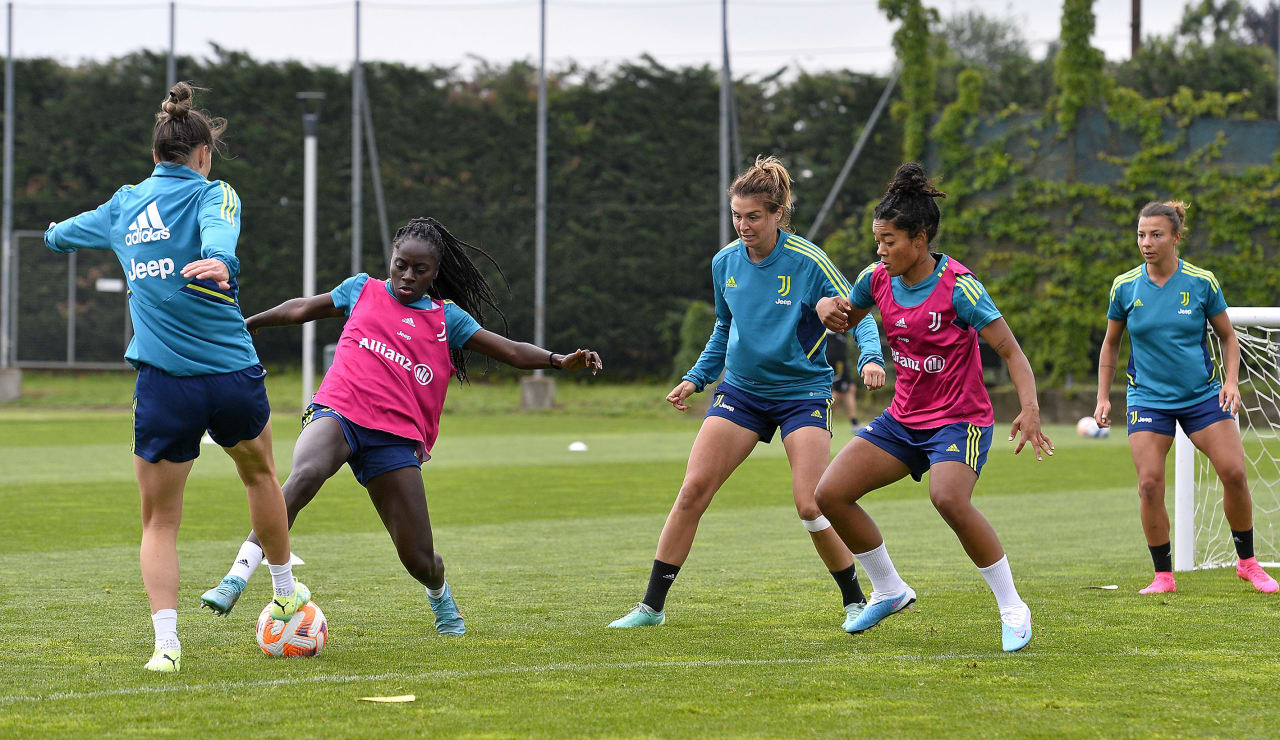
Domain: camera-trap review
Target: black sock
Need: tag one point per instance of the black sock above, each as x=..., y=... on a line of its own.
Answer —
x=660, y=580
x=1162, y=557
x=1244, y=543
x=850, y=587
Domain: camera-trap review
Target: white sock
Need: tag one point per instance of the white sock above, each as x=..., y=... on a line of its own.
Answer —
x=884, y=577
x=165, y=622
x=1000, y=579
x=247, y=561
x=436, y=593
x=282, y=578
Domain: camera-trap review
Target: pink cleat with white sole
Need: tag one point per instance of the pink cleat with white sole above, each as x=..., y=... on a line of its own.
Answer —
x=1164, y=584
x=1249, y=570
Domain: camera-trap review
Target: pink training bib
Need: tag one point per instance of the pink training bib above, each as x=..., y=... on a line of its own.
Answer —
x=391, y=370
x=938, y=369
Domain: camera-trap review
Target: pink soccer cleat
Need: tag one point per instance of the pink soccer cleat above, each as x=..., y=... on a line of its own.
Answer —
x=1249, y=570
x=1164, y=584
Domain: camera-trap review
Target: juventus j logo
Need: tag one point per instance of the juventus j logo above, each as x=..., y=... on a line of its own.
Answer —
x=786, y=285
x=935, y=321
x=1186, y=297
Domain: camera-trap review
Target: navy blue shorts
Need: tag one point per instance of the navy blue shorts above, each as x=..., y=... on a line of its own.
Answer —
x=764, y=416
x=920, y=449
x=172, y=412
x=373, y=451
x=1192, y=418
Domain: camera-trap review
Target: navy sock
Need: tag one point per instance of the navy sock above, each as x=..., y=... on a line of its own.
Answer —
x=660, y=580
x=1243, y=542
x=850, y=587
x=1162, y=557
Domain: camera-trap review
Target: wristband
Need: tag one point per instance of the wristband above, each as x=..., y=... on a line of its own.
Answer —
x=551, y=361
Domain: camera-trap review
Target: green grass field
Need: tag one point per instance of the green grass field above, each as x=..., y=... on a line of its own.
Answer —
x=544, y=547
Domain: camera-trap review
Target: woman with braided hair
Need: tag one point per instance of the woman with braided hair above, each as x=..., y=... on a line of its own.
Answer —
x=378, y=408
x=933, y=310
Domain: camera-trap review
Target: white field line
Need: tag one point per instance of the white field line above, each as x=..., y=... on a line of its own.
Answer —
x=463, y=674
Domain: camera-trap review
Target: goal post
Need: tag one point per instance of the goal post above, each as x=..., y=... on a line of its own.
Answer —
x=1202, y=537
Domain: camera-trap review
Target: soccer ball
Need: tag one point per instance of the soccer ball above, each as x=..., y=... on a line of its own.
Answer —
x=302, y=636
x=1087, y=427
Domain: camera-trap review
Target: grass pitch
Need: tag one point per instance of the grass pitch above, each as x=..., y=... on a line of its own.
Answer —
x=544, y=547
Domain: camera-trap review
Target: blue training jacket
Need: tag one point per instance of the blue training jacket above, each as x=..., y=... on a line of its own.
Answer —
x=768, y=338
x=155, y=228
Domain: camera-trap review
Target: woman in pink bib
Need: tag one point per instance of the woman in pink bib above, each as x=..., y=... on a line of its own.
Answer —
x=933, y=310
x=378, y=408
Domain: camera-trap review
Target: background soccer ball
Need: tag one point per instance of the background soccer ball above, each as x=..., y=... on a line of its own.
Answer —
x=302, y=636
x=1087, y=427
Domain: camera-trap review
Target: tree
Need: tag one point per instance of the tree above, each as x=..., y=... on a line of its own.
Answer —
x=913, y=44
x=1077, y=69
x=997, y=49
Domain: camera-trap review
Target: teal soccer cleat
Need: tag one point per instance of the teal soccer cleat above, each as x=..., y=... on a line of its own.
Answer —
x=1015, y=636
x=642, y=616
x=851, y=614
x=448, y=620
x=223, y=597
x=879, y=608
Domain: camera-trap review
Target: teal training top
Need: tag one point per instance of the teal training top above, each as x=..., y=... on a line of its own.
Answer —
x=768, y=339
x=1169, y=362
x=459, y=325
x=155, y=228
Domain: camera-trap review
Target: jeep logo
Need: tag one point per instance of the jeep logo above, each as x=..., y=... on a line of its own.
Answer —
x=161, y=268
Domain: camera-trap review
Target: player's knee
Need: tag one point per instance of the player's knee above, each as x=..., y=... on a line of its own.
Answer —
x=950, y=506
x=824, y=499
x=303, y=483
x=1233, y=478
x=1151, y=489
x=695, y=495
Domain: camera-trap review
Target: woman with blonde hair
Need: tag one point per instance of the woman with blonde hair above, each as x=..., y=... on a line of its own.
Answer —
x=768, y=340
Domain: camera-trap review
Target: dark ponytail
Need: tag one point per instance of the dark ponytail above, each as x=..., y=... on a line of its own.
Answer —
x=908, y=202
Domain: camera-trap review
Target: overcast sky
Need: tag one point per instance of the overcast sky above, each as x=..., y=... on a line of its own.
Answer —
x=763, y=34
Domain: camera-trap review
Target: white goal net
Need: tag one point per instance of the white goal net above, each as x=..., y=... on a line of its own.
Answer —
x=1202, y=535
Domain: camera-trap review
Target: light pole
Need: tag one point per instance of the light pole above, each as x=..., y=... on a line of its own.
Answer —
x=311, y=104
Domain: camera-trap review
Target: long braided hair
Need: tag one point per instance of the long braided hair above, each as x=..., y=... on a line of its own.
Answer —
x=908, y=202
x=458, y=280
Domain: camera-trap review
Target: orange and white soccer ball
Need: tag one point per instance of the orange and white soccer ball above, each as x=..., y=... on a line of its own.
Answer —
x=302, y=636
x=1088, y=427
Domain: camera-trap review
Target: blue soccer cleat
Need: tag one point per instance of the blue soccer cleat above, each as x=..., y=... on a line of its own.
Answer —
x=448, y=620
x=851, y=614
x=1015, y=628
x=223, y=596
x=879, y=608
x=642, y=616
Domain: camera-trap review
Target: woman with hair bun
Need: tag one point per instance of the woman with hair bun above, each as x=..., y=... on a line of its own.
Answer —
x=768, y=341
x=1166, y=303
x=933, y=310
x=175, y=235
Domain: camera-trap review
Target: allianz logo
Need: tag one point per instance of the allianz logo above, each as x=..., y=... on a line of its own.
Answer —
x=148, y=227
x=421, y=371
x=931, y=364
x=161, y=268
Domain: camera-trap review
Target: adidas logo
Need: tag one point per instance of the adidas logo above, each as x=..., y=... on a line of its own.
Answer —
x=670, y=576
x=409, y=320
x=953, y=448
x=242, y=561
x=730, y=283
x=816, y=414
x=1137, y=303
x=148, y=227
x=900, y=323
